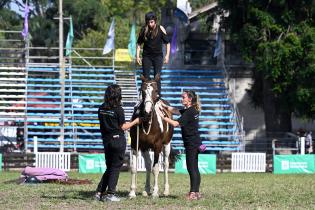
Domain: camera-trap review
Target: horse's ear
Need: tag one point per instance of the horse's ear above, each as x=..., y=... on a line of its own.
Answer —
x=157, y=77
x=143, y=78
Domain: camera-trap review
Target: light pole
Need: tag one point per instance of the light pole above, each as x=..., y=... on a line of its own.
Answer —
x=62, y=78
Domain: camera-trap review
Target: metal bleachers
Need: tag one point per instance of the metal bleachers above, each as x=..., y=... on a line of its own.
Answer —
x=219, y=128
x=31, y=99
x=84, y=92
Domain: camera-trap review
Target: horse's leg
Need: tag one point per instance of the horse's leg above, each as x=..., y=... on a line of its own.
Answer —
x=148, y=167
x=166, y=152
x=133, y=168
x=156, y=170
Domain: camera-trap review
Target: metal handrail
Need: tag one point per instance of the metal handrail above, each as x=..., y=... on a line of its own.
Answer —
x=238, y=118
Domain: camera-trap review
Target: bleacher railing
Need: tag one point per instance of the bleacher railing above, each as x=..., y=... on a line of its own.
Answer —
x=239, y=131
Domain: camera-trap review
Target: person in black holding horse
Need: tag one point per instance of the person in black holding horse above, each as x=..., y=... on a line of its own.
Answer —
x=112, y=125
x=189, y=123
x=152, y=36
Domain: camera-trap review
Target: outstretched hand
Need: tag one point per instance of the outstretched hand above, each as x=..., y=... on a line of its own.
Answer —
x=139, y=61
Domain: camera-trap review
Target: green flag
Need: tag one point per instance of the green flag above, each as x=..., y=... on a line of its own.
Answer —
x=132, y=42
x=69, y=39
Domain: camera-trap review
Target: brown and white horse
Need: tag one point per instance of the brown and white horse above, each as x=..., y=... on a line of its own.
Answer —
x=154, y=134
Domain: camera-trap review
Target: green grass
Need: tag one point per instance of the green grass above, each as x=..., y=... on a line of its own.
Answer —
x=221, y=191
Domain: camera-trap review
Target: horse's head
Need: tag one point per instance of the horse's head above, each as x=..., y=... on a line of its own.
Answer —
x=150, y=93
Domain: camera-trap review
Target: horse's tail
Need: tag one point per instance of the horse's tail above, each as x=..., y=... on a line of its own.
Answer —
x=174, y=155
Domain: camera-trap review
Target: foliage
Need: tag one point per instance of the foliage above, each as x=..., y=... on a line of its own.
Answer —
x=90, y=18
x=220, y=191
x=278, y=37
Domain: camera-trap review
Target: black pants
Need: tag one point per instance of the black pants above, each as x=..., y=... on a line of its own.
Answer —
x=192, y=167
x=114, y=156
x=152, y=61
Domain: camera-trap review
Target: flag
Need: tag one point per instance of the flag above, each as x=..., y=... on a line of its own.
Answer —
x=132, y=42
x=181, y=15
x=174, y=39
x=69, y=39
x=110, y=42
x=25, y=29
x=218, y=47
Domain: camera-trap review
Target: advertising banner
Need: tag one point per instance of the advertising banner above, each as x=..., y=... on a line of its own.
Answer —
x=289, y=164
x=206, y=164
x=122, y=55
x=92, y=163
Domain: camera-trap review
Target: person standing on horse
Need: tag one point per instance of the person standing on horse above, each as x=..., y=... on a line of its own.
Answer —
x=112, y=125
x=152, y=36
x=189, y=123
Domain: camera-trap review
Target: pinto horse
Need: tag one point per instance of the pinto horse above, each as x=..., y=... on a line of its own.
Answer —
x=153, y=134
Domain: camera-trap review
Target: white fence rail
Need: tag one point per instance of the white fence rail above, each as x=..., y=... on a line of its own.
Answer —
x=57, y=160
x=248, y=162
x=141, y=165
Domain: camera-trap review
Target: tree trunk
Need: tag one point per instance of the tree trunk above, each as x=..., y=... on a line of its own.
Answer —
x=277, y=118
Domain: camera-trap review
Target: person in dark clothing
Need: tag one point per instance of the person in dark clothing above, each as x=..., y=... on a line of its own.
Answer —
x=189, y=123
x=112, y=125
x=152, y=36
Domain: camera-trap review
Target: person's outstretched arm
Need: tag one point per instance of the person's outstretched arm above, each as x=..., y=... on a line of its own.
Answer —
x=167, y=55
x=138, y=54
x=170, y=121
x=171, y=109
x=128, y=125
x=168, y=45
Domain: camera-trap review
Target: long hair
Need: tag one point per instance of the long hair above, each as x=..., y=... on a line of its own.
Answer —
x=112, y=97
x=150, y=16
x=195, y=101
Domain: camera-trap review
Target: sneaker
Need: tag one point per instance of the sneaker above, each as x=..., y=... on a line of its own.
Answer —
x=112, y=197
x=191, y=196
x=98, y=197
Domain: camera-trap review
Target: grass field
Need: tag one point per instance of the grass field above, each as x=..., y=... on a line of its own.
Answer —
x=221, y=191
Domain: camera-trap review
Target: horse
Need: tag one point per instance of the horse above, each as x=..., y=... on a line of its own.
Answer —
x=153, y=133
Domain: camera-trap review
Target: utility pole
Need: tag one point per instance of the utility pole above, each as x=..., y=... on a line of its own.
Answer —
x=62, y=79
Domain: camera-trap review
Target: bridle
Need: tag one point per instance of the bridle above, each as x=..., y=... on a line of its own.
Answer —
x=152, y=112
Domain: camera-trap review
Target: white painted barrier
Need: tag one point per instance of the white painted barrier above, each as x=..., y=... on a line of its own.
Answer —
x=58, y=160
x=141, y=165
x=248, y=162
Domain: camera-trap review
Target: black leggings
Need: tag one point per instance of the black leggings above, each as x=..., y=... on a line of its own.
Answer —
x=114, y=157
x=192, y=167
x=156, y=62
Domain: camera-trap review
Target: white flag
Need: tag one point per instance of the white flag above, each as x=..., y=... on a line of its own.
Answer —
x=110, y=42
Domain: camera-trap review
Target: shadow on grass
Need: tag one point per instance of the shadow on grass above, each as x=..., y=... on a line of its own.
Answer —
x=89, y=195
x=15, y=181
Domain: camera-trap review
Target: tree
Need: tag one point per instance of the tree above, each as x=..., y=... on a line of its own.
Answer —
x=279, y=38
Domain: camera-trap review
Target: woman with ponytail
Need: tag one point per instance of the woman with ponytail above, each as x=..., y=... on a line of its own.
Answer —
x=189, y=123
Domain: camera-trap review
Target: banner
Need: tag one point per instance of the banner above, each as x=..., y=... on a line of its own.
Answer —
x=92, y=163
x=110, y=42
x=132, y=45
x=289, y=164
x=122, y=55
x=69, y=38
x=206, y=164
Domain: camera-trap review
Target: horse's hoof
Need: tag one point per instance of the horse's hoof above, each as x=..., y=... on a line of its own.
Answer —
x=145, y=193
x=166, y=193
x=132, y=195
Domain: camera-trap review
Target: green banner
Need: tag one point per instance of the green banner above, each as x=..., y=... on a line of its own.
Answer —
x=289, y=164
x=206, y=164
x=92, y=163
x=0, y=162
